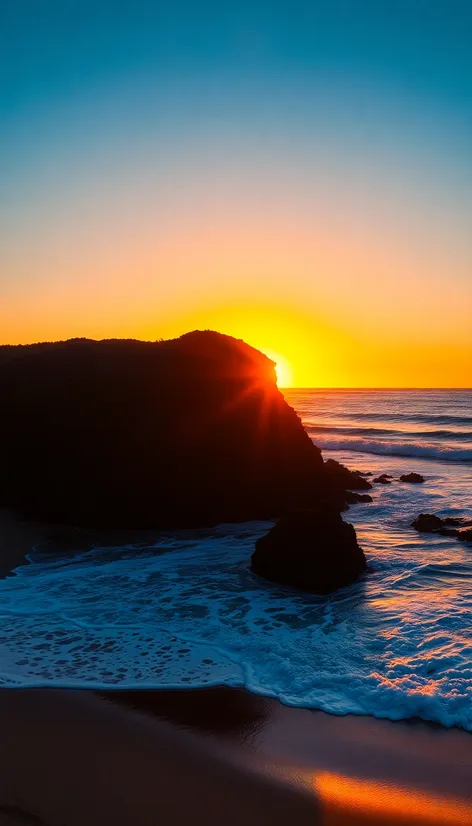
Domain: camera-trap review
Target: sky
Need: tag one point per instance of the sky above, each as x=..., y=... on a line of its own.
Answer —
x=296, y=174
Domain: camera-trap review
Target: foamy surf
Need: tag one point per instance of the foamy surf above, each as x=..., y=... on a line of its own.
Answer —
x=423, y=450
x=189, y=612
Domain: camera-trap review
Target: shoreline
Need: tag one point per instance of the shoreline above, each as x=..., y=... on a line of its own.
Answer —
x=221, y=755
x=19, y=536
x=211, y=755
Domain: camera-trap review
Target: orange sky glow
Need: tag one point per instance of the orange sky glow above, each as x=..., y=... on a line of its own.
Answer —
x=336, y=306
x=324, y=219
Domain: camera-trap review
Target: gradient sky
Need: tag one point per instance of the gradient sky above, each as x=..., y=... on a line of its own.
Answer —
x=297, y=174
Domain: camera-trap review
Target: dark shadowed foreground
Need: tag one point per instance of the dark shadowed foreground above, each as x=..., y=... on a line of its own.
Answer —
x=221, y=756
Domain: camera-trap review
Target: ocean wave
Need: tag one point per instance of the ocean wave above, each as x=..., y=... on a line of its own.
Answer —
x=396, y=448
x=449, y=435
x=401, y=416
x=403, y=683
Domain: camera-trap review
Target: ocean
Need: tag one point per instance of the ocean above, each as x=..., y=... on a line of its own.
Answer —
x=187, y=611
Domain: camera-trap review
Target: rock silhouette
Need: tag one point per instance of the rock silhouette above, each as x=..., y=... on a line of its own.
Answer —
x=180, y=433
x=345, y=479
x=413, y=478
x=383, y=479
x=457, y=526
x=313, y=551
x=352, y=498
x=427, y=523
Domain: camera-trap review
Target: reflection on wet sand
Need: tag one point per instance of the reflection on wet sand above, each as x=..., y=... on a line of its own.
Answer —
x=221, y=756
x=219, y=711
x=352, y=801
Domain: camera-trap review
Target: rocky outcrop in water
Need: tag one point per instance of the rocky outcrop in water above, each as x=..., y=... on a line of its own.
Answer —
x=383, y=479
x=427, y=523
x=187, y=432
x=344, y=479
x=412, y=478
x=313, y=551
x=353, y=498
x=457, y=526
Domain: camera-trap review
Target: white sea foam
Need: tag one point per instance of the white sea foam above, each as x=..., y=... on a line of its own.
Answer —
x=189, y=612
x=424, y=450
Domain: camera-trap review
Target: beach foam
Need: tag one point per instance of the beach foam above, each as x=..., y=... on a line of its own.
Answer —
x=423, y=450
x=189, y=612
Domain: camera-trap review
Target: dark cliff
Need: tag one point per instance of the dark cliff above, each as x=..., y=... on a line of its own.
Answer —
x=186, y=432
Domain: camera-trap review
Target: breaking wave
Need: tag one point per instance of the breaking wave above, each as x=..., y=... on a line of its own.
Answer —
x=422, y=450
x=188, y=612
x=448, y=435
x=401, y=416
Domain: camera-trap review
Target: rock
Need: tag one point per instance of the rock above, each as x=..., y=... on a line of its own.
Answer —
x=448, y=532
x=459, y=521
x=312, y=550
x=430, y=523
x=414, y=478
x=353, y=498
x=427, y=523
x=383, y=479
x=181, y=433
x=343, y=478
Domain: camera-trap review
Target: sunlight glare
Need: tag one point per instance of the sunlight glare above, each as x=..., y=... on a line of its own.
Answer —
x=282, y=368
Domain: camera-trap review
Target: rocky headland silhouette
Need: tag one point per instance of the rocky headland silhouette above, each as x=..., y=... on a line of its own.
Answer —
x=184, y=433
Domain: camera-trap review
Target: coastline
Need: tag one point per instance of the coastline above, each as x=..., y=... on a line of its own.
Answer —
x=19, y=536
x=221, y=756
x=211, y=756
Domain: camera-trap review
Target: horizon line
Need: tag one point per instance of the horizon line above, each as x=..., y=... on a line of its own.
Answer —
x=353, y=387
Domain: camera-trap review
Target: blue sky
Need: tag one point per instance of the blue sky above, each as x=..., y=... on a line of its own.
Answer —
x=126, y=124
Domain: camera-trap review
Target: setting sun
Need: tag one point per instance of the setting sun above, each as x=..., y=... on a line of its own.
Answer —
x=282, y=368
x=179, y=184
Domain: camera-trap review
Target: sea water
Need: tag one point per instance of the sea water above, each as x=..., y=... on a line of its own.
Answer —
x=187, y=611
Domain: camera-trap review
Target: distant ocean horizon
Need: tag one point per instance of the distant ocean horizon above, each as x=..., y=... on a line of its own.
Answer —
x=374, y=389
x=420, y=423
x=187, y=611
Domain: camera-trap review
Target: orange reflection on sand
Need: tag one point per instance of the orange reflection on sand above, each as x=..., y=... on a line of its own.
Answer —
x=354, y=802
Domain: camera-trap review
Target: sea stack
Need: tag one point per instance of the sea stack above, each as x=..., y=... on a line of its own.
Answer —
x=313, y=550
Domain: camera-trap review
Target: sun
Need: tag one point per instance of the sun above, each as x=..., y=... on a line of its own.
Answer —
x=283, y=368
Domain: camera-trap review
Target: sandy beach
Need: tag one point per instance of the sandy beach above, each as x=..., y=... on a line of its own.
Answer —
x=213, y=756
x=221, y=756
x=19, y=536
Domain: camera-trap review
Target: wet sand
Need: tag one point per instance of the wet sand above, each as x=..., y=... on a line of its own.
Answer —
x=220, y=756
x=212, y=756
x=19, y=536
